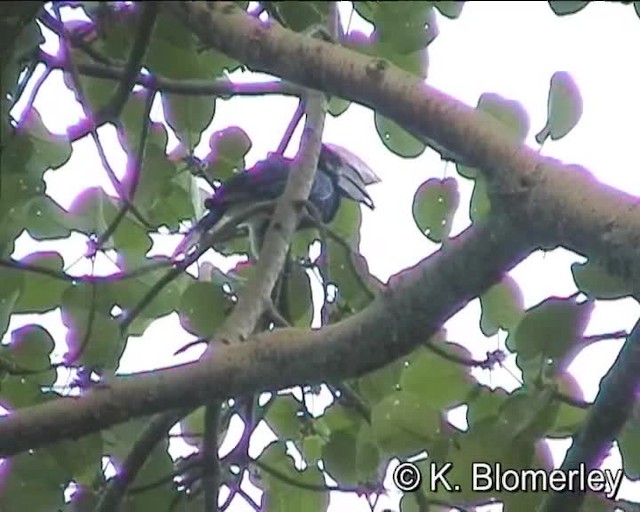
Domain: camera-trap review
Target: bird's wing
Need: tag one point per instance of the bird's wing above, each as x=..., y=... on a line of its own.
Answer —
x=264, y=181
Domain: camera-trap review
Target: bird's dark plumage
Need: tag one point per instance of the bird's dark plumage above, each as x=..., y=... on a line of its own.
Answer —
x=340, y=175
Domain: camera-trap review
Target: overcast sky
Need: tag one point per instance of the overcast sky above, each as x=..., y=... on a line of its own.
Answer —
x=507, y=48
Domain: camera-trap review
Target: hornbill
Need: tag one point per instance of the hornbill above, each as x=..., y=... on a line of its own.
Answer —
x=340, y=174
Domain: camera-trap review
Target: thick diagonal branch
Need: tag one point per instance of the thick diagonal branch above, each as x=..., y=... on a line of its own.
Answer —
x=414, y=306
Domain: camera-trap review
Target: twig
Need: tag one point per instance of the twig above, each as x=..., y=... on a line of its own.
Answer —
x=291, y=128
x=63, y=276
x=149, y=438
x=136, y=171
x=211, y=467
x=64, y=46
x=195, y=87
x=112, y=109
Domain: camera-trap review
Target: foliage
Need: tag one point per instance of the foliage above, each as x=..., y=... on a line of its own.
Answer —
x=394, y=412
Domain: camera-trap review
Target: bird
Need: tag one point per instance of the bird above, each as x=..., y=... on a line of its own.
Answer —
x=340, y=175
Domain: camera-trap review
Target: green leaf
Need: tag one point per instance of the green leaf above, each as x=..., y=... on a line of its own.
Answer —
x=339, y=456
x=287, y=497
x=46, y=220
x=563, y=7
x=404, y=27
x=81, y=457
x=564, y=107
x=312, y=447
x=127, y=293
x=396, y=139
x=502, y=307
x=509, y=113
x=228, y=149
x=192, y=427
x=597, y=283
x=480, y=205
x=175, y=53
x=484, y=404
x=451, y=10
x=48, y=151
x=442, y=383
x=338, y=106
x=11, y=284
x=434, y=205
x=29, y=351
x=530, y=413
x=300, y=16
x=404, y=422
x=337, y=417
x=283, y=416
x=41, y=292
x=551, y=328
x=299, y=297
x=202, y=308
x=35, y=482
x=376, y=385
x=157, y=465
x=569, y=418
x=94, y=335
x=188, y=116
x=629, y=443
x=368, y=457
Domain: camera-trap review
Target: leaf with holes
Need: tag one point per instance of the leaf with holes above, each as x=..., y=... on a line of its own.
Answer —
x=434, y=205
x=397, y=139
x=404, y=422
x=427, y=371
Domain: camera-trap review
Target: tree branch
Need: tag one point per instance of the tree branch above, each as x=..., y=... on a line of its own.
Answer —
x=149, y=438
x=608, y=414
x=554, y=203
x=413, y=307
x=195, y=87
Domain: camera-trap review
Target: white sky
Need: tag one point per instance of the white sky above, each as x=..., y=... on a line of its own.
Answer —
x=507, y=48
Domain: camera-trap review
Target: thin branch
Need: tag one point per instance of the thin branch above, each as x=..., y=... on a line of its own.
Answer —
x=142, y=448
x=114, y=107
x=76, y=39
x=211, y=466
x=291, y=128
x=196, y=87
x=303, y=485
x=67, y=56
x=413, y=306
x=613, y=406
x=255, y=296
x=63, y=276
x=136, y=171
